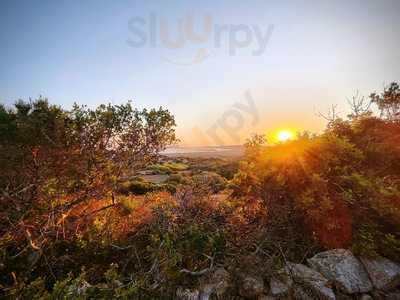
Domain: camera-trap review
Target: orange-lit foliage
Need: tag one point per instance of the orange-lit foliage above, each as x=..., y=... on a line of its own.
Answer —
x=331, y=223
x=341, y=188
x=337, y=189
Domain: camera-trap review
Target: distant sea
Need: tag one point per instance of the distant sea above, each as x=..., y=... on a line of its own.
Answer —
x=205, y=151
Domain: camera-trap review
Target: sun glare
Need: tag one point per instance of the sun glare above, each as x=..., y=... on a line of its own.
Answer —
x=285, y=135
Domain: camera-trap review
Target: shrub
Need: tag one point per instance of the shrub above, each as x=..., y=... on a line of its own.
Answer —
x=138, y=187
x=210, y=179
x=159, y=169
x=339, y=189
x=167, y=168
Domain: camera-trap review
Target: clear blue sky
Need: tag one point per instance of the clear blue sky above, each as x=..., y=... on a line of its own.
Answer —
x=319, y=53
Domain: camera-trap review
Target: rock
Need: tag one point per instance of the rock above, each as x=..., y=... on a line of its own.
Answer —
x=388, y=295
x=302, y=281
x=186, y=294
x=206, y=292
x=378, y=295
x=280, y=286
x=311, y=280
x=384, y=273
x=365, y=297
x=216, y=284
x=392, y=295
x=266, y=297
x=343, y=269
x=298, y=292
x=341, y=296
x=250, y=286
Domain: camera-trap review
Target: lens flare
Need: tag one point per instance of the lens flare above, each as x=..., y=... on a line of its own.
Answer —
x=285, y=135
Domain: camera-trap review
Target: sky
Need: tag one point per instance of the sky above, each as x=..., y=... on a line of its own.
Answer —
x=225, y=69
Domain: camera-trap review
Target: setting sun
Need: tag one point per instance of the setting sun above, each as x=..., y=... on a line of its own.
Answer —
x=285, y=135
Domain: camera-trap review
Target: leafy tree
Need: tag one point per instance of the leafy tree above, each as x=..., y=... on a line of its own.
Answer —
x=388, y=102
x=53, y=158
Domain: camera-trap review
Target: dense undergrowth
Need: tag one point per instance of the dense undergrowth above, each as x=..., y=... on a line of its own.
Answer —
x=69, y=230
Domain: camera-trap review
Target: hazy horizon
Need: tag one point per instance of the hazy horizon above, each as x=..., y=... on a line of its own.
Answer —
x=259, y=66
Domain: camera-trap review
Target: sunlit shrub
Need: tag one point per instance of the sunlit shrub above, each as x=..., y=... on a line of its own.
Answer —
x=215, y=181
x=338, y=191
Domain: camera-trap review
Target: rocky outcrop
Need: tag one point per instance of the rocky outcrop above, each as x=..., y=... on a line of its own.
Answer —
x=343, y=269
x=384, y=274
x=250, y=286
x=331, y=275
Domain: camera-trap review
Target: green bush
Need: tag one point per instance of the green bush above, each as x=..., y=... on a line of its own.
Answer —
x=159, y=169
x=167, y=168
x=211, y=179
x=176, y=166
x=138, y=187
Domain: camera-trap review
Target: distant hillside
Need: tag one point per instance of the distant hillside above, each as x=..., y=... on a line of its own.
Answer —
x=205, y=151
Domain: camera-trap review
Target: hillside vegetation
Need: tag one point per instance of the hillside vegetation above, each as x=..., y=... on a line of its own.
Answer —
x=76, y=222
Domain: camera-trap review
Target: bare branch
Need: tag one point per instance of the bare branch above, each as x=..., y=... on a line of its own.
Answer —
x=358, y=105
x=332, y=114
x=201, y=272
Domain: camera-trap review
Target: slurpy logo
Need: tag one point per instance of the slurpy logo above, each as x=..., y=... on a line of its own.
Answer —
x=156, y=31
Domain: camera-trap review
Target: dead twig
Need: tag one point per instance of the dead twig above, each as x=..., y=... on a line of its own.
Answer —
x=201, y=272
x=122, y=248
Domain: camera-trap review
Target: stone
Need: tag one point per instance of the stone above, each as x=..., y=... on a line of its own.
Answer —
x=217, y=283
x=214, y=284
x=366, y=297
x=343, y=269
x=279, y=287
x=341, y=296
x=392, y=295
x=298, y=292
x=186, y=294
x=384, y=273
x=206, y=292
x=250, y=286
x=378, y=295
x=301, y=281
x=311, y=280
x=266, y=297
